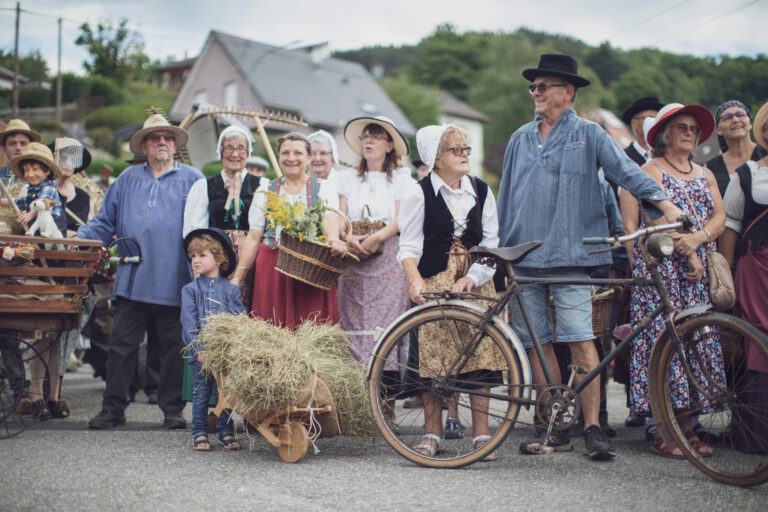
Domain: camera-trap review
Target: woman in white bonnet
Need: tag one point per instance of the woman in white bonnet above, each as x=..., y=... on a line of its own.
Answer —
x=433, y=253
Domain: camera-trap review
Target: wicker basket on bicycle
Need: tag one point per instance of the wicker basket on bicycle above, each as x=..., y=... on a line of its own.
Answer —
x=311, y=262
x=366, y=227
x=601, y=311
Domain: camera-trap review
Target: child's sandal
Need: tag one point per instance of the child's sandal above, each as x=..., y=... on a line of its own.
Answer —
x=229, y=442
x=58, y=409
x=201, y=444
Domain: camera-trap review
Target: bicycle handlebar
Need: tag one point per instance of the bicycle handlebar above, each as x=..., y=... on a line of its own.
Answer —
x=684, y=223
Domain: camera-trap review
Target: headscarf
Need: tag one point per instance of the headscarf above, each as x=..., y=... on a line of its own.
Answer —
x=427, y=141
x=728, y=104
x=230, y=131
x=326, y=138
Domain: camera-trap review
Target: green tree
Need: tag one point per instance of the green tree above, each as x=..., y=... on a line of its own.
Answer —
x=115, y=51
x=31, y=66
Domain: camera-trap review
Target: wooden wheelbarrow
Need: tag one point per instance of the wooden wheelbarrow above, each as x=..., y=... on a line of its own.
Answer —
x=287, y=428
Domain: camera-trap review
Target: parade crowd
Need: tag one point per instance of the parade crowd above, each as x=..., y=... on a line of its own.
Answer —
x=563, y=179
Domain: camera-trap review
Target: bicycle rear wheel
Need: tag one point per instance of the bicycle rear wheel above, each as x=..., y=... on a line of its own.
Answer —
x=403, y=428
x=16, y=358
x=730, y=402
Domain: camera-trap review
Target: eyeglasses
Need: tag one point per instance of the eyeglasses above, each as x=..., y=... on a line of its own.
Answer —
x=321, y=154
x=459, y=150
x=731, y=115
x=643, y=118
x=155, y=137
x=686, y=127
x=543, y=86
x=228, y=150
x=373, y=137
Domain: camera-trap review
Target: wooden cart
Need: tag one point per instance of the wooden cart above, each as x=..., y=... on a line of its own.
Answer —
x=27, y=311
x=287, y=428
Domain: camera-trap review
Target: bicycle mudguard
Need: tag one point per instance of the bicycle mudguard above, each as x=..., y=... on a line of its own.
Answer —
x=504, y=327
x=653, y=361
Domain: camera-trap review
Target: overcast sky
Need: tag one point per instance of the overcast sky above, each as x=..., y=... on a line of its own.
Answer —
x=179, y=28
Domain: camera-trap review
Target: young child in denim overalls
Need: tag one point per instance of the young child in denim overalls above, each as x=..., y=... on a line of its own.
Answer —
x=212, y=257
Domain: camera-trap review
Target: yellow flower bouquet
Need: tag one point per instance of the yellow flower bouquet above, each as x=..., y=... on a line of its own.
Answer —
x=295, y=218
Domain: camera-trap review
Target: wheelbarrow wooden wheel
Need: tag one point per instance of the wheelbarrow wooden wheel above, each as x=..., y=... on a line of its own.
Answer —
x=293, y=441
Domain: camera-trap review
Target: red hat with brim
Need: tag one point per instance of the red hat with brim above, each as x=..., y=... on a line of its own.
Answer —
x=702, y=115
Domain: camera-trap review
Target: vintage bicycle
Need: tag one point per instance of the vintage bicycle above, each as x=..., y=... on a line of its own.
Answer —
x=724, y=404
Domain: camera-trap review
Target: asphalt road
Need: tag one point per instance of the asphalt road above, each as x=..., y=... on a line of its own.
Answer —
x=61, y=465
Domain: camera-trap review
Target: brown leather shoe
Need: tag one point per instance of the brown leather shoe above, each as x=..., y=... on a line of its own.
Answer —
x=174, y=420
x=107, y=419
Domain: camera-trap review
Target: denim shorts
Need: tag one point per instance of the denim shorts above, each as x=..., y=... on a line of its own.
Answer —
x=573, y=304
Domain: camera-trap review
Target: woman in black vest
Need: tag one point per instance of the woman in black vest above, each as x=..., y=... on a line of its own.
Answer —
x=223, y=200
x=746, y=237
x=433, y=252
x=733, y=123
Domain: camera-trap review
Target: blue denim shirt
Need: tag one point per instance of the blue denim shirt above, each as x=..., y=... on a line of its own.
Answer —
x=202, y=298
x=151, y=211
x=6, y=174
x=46, y=189
x=550, y=190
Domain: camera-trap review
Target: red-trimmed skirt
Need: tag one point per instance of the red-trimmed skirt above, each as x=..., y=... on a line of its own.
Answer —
x=287, y=302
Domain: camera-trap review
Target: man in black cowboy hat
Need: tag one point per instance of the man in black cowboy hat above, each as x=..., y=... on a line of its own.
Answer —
x=634, y=117
x=550, y=192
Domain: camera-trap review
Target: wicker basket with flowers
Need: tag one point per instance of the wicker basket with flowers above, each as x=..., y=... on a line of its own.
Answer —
x=304, y=255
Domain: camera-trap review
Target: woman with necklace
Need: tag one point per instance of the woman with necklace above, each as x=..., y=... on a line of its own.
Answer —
x=677, y=130
x=278, y=298
x=733, y=122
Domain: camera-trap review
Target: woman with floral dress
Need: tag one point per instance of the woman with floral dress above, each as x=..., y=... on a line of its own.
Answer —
x=677, y=130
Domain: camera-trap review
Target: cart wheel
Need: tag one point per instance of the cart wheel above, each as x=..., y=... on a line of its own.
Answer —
x=16, y=357
x=293, y=436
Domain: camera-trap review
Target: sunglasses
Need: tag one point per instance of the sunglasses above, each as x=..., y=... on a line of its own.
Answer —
x=459, y=150
x=683, y=127
x=155, y=137
x=731, y=115
x=543, y=86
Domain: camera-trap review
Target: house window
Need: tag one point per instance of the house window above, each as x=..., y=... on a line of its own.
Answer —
x=230, y=94
x=200, y=97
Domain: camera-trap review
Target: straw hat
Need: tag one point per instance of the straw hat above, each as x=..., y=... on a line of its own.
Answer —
x=39, y=153
x=355, y=127
x=702, y=115
x=757, y=127
x=60, y=146
x=19, y=126
x=157, y=123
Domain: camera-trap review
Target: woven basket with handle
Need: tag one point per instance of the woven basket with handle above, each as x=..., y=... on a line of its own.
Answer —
x=311, y=262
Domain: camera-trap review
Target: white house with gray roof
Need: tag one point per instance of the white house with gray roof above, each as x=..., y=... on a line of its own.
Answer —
x=324, y=91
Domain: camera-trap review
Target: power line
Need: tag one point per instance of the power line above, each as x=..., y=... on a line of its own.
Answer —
x=679, y=32
x=649, y=18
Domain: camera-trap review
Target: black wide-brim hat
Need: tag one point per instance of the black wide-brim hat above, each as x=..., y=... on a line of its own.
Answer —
x=223, y=238
x=647, y=103
x=553, y=64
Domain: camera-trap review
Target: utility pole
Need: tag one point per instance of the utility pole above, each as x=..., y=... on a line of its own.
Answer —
x=58, y=81
x=15, y=104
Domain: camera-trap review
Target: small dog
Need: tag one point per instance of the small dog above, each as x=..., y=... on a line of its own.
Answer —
x=44, y=221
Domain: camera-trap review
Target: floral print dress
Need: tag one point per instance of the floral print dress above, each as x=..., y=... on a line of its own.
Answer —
x=683, y=294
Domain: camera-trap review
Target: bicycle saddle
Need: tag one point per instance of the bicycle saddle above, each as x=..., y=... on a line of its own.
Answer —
x=511, y=254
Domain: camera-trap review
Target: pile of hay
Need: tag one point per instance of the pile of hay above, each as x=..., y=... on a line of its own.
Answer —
x=93, y=189
x=266, y=367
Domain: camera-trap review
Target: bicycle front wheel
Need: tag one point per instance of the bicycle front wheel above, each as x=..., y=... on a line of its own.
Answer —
x=397, y=359
x=697, y=379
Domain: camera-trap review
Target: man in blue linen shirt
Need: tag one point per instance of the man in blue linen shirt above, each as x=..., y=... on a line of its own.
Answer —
x=550, y=192
x=145, y=207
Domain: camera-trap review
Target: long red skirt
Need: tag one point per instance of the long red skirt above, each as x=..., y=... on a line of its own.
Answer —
x=287, y=302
